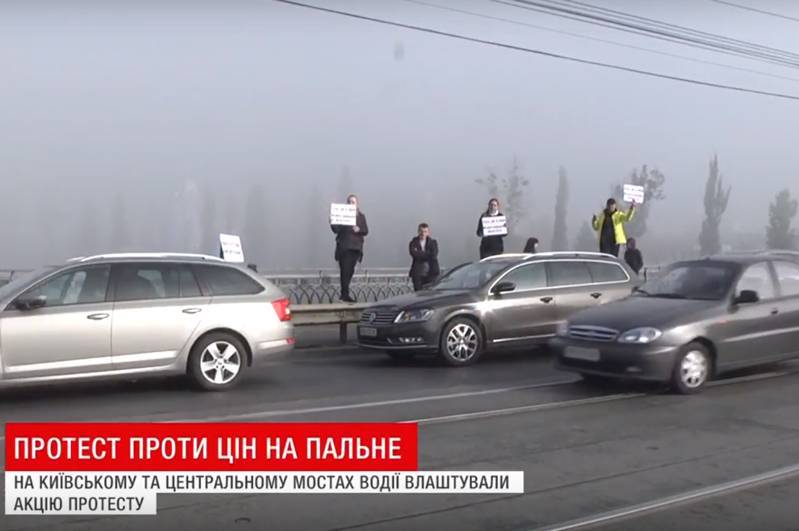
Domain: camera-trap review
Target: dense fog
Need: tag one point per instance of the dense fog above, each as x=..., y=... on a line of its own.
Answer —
x=150, y=126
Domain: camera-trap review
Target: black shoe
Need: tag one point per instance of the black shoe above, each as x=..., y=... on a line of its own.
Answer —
x=348, y=298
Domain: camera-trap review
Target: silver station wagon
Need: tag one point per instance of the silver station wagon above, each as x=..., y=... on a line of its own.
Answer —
x=133, y=315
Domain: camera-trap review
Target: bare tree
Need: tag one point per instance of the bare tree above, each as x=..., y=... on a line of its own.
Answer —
x=256, y=227
x=779, y=234
x=510, y=191
x=210, y=238
x=586, y=239
x=653, y=182
x=560, y=229
x=120, y=233
x=716, y=199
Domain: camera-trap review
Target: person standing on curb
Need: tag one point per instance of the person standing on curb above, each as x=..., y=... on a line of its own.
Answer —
x=490, y=245
x=424, y=251
x=349, y=248
x=609, y=225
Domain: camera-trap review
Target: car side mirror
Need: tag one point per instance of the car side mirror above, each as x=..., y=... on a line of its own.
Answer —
x=503, y=287
x=30, y=303
x=747, y=296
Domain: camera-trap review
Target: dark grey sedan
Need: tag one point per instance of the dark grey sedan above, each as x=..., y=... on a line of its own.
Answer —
x=502, y=301
x=698, y=319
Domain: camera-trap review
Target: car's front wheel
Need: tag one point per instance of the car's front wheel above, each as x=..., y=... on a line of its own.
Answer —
x=217, y=361
x=461, y=342
x=692, y=369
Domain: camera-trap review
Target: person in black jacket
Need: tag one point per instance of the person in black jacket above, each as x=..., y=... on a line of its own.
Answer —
x=531, y=246
x=490, y=245
x=633, y=256
x=424, y=250
x=349, y=248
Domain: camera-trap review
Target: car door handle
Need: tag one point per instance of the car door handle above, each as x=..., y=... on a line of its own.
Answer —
x=98, y=316
x=546, y=300
x=774, y=311
x=192, y=310
x=596, y=295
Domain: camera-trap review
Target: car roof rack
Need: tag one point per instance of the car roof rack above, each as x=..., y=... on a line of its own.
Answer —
x=575, y=253
x=548, y=253
x=112, y=256
x=506, y=255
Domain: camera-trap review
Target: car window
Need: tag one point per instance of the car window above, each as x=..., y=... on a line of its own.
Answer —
x=568, y=273
x=188, y=283
x=703, y=280
x=788, y=278
x=757, y=278
x=77, y=286
x=606, y=272
x=470, y=276
x=530, y=276
x=222, y=280
x=147, y=281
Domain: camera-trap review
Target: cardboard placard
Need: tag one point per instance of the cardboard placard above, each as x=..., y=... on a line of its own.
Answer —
x=633, y=192
x=230, y=244
x=343, y=214
x=495, y=226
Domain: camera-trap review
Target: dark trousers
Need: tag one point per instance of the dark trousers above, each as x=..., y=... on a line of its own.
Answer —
x=346, y=262
x=420, y=281
x=610, y=249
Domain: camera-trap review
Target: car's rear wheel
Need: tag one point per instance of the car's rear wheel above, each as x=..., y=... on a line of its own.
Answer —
x=692, y=369
x=461, y=342
x=217, y=362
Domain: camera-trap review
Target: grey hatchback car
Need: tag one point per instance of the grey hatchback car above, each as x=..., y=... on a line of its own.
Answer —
x=133, y=315
x=509, y=300
x=699, y=318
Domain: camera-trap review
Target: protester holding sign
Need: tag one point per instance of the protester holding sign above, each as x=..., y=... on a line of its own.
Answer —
x=492, y=227
x=349, y=246
x=609, y=225
x=424, y=251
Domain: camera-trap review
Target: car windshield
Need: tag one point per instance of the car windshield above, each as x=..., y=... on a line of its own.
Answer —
x=20, y=280
x=694, y=280
x=470, y=276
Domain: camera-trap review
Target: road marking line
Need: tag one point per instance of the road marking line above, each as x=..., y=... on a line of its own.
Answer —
x=366, y=405
x=524, y=409
x=679, y=499
x=750, y=378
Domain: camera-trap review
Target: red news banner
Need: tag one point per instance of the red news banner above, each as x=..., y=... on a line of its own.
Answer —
x=120, y=468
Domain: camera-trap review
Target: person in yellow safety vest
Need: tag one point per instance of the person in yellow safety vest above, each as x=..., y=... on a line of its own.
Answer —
x=611, y=235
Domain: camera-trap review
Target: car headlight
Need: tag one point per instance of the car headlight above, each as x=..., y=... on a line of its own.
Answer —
x=413, y=316
x=563, y=329
x=640, y=335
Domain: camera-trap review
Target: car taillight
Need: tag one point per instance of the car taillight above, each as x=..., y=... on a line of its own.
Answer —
x=282, y=309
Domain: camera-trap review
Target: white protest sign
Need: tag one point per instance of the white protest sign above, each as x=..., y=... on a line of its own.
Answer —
x=231, y=248
x=343, y=214
x=633, y=192
x=495, y=226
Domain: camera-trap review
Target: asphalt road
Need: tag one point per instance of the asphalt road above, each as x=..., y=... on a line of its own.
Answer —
x=610, y=458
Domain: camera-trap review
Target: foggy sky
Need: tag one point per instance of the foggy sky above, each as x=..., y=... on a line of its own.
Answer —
x=109, y=106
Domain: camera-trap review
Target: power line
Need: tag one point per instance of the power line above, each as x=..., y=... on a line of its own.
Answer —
x=715, y=36
x=642, y=33
x=538, y=52
x=682, y=35
x=597, y=39
x=754, y=9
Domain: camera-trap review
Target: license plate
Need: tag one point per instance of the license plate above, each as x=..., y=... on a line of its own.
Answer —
x=367, y=331
x=577, y=353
